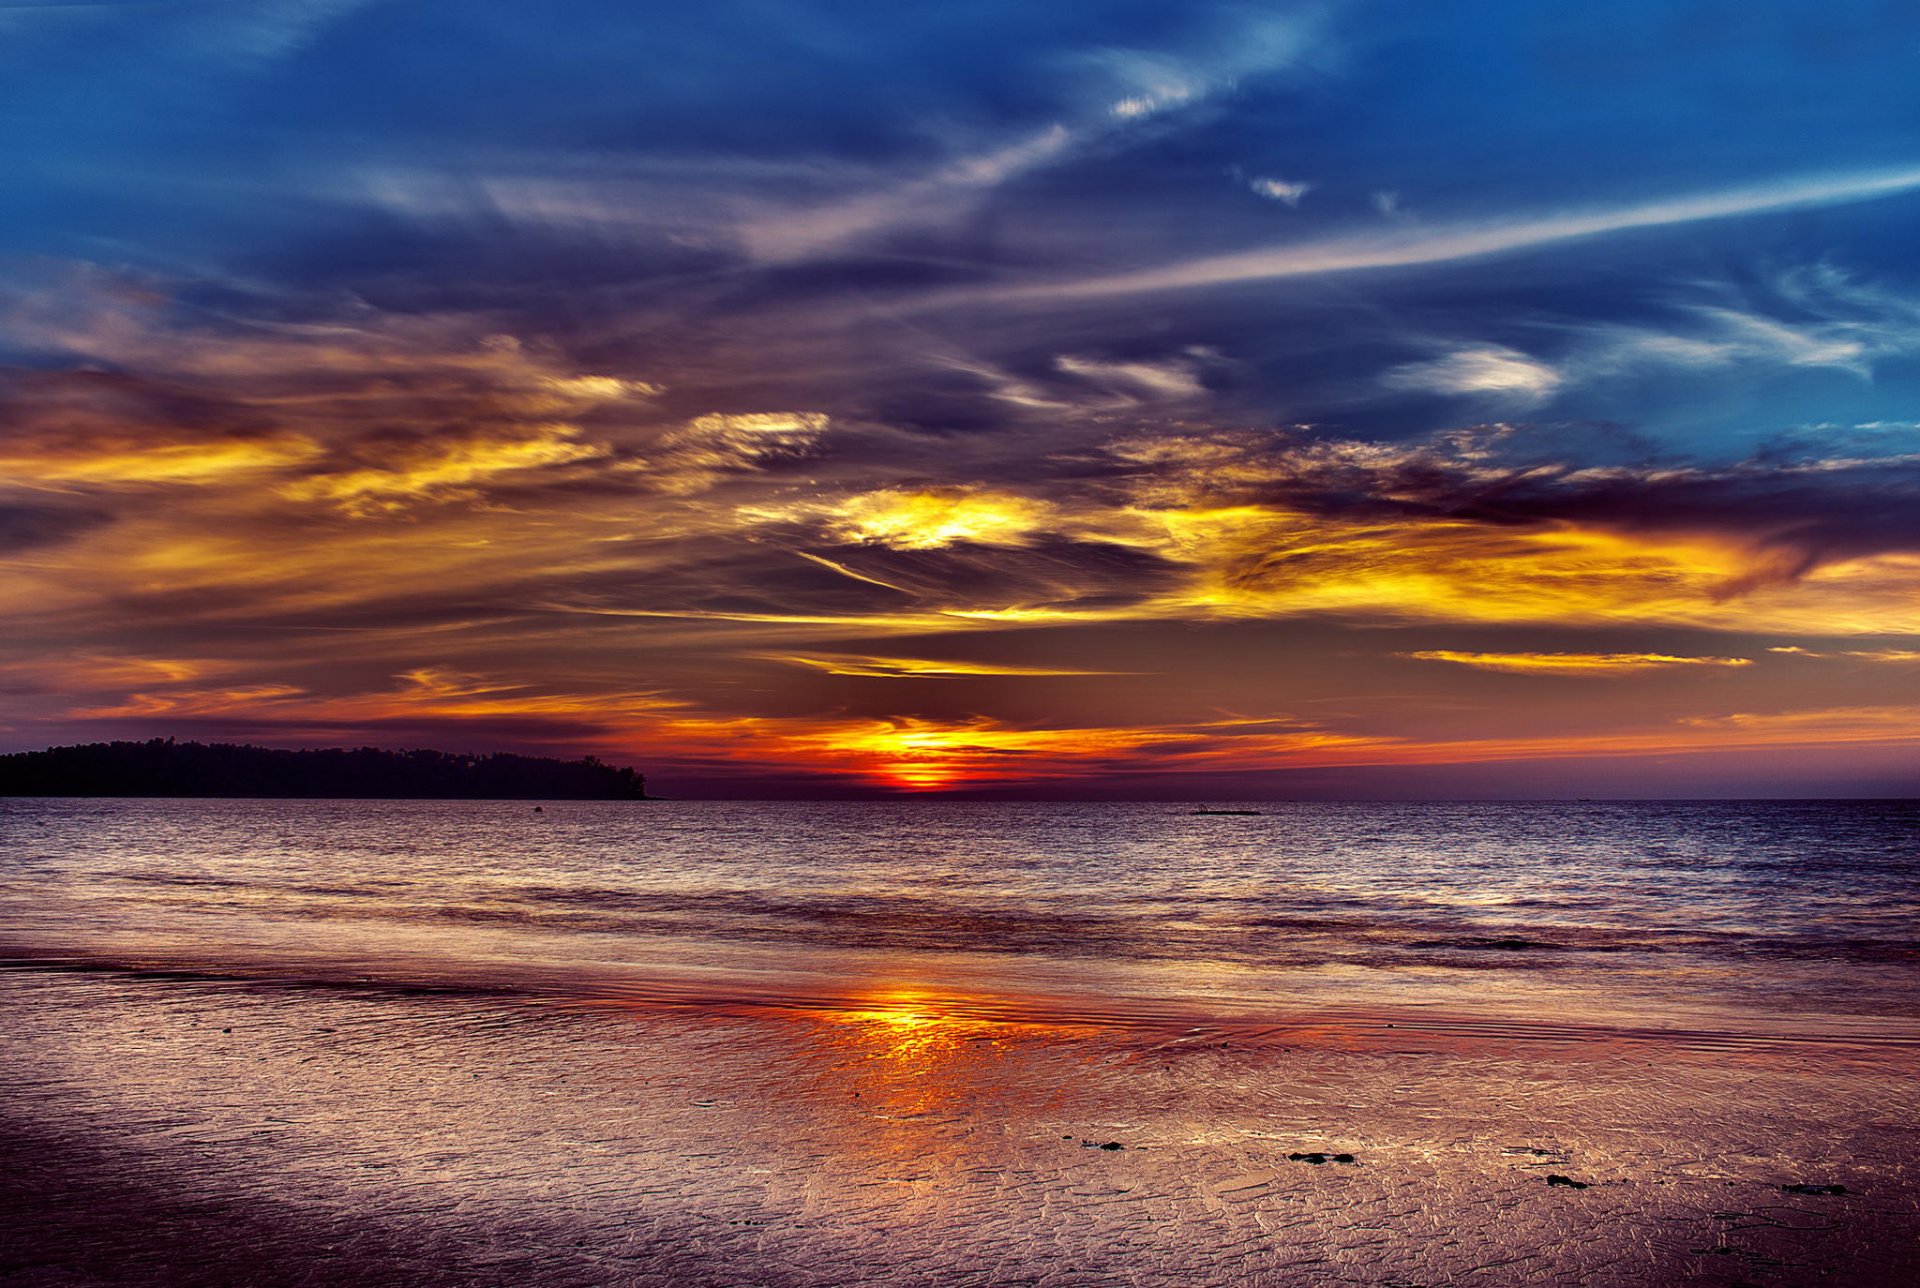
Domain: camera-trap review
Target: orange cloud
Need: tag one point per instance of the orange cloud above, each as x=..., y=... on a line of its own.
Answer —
x=120, y=461
x=1864, y=654
x=426, y=693
x=931, y=518
x=443, y=468
x=917, y=668
x=1577, y=664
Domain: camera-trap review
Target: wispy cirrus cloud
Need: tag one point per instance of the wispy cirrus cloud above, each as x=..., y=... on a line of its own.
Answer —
x=1485, y=369
x=1435, y=244
x=1236, y=43
x=783, y=233
x=770, y=212
x=1140, y=380
x=1810, y=318
x=1892, y=655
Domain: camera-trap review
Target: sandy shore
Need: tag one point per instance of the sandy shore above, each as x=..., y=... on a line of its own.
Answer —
x=165, y=1131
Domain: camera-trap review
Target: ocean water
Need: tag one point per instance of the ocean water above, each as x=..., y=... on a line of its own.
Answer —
x=1779, y=916
x=908, y=1043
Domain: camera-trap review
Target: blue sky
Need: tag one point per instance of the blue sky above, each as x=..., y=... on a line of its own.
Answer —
x=1070, y=330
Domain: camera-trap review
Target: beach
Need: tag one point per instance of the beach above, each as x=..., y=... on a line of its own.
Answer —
x=215, y=1088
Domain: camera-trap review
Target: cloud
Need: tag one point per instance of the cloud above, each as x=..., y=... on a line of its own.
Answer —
x=1488, y=369
x=1714, y=735
x=30, y=525
x=247, y=39
x=443, y=467
x=1135, y=381
x=427, y=693
x=915, y=668
x=367, y=411
x=1722, y=335
x=80, y=437
x=373, y=462
x=1286, y=191
x=1242, y=43
x=771, y=212
x=1442, y=244
x=930, y=518
x=784, y=233
x=1811, y=317
x=1573, y=664
x=1893, y=655
x=1797, y=346
x=716, y=443
x=1278, y=524
x=1159, y=98
x=1261, y=525
x=276, y=29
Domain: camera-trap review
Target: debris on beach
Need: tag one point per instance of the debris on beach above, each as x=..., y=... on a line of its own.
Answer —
x=1814, y=1189
x=1554, y=1178
x=1094, y=1144
x=1317, y=1158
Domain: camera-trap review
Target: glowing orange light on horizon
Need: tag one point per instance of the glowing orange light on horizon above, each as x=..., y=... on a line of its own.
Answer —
x=920, y=776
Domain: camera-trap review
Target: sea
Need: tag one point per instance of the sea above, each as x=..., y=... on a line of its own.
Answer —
x=916, y=1042
x=1777, y=917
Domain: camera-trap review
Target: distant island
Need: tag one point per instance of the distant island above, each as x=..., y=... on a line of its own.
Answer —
x=163, y=767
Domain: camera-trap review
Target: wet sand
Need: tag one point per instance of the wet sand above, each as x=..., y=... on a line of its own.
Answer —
x=168, y=1130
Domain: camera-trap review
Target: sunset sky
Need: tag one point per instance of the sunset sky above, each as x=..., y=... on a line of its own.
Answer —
x=1238, y=400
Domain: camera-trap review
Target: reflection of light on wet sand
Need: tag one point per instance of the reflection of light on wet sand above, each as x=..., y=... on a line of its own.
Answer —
x=923, y=1073
x=899, y=1134
x=904, y=1009
x=906, y=1055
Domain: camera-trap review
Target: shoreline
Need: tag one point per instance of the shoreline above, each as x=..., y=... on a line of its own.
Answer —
x=655, y=987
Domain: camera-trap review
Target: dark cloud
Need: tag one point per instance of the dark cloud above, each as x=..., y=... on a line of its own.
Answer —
x=26, y=526
x=1822, y=509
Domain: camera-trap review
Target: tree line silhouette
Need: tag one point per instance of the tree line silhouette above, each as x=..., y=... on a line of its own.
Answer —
x=163, y=767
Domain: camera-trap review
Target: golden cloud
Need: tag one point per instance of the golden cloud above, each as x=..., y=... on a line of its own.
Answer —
x=917, y=668
x=439, y=469
x=124, y=461
x=434, y=693
x=930, y=518
x=1575, y=664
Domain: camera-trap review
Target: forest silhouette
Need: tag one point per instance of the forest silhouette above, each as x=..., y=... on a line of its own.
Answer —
x=164, y=767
